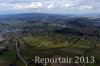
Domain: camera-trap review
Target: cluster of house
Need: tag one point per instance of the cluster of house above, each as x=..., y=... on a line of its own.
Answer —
x=2, y=47
x=1, y=38
x=58, y=25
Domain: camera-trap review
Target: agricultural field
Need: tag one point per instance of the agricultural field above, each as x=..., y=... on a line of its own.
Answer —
x=25, y=36
x=51, y=45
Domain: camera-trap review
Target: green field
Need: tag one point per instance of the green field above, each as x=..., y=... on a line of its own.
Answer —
x=8, y=56
x=50, y=45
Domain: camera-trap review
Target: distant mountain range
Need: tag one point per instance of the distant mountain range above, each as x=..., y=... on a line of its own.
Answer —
x=24, y=17
x=41, y=17
x=28, y=17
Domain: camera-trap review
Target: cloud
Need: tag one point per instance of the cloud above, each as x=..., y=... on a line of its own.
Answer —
x=32, y=5
x=85, y=7
x=6, y=6
x=68, y=5
x=51, y=6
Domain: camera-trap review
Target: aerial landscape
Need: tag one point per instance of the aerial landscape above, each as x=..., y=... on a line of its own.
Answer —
x=49, y=33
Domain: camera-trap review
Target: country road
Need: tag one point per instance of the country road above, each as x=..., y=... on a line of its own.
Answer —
x=17, y=50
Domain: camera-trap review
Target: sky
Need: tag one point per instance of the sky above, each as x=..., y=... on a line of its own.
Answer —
x=49, y=6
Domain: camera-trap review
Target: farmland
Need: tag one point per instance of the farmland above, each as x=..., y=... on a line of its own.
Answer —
x=62, y=36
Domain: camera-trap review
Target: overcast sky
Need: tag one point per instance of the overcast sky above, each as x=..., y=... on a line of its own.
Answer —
x=49, y=6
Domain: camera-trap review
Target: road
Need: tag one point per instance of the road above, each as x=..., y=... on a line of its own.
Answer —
x=17, y=50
